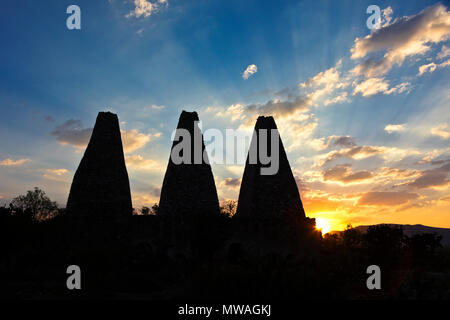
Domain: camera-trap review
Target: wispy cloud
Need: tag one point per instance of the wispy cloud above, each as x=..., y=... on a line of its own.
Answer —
x=432, y=178
x=230, y=183
x=138, y=162
x=390, y=128
x=445, y=52
x=341, y=141
x=133, y=140
x=13, y=163
x=250, y=70
x=145, y=8
x=72, y=133
x=373, y=86
x=344, y=174
x=56, y=174
x=442, y=130
x=387, y=198
x=280, y=107
x=406, y=36
x=356, y=152
x=431, y=67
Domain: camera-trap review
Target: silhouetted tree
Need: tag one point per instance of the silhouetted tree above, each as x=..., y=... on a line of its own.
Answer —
x=331, y=241
x=384, y=243
x=352, y=238
x=229, y=208
x=424, y=245
x=4, y=211
x=36, y=204
x=145, y=210
x=155, y=209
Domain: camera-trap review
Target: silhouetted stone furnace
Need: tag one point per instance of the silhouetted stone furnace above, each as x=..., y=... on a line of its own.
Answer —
x=269, y=196
x=188, y=189
x=189, y=206
x=270, y=216
x=100, y=187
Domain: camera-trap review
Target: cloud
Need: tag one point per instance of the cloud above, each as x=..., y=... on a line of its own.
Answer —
x=432, y=178
x=251, y=69
x=326, y=87
x=13, y=163
x=341, y=141
x=445, y=52
x=356, y=152
x=329, y=76
x=395, y=128
x=343, y=173
x=406, y=36
x=49, y=119
x=442, y=130
x=146, y=8
x=373, y=86
x=138, y=162
x=431, y=67
x=72, y=133
x=133, y=140
x=280, y=108
x=58, y=172
x=387, y=16
x=338, y=99
x=427, y=68
x=233, y=112
x=397, y=174
x=146, y=198
x=231, y=182
x=385, y=198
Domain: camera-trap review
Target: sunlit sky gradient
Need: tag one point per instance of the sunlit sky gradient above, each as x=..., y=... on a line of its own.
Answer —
x=364, y=117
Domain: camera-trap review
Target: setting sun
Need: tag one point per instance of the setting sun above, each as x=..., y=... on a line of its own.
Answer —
x=322, y=224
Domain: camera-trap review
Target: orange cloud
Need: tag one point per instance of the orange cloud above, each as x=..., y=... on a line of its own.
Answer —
x=137, y=162
x=406, y=36
x=356, y=152
x=343, y=173
x=442, y=130
x=72, y=133
x=13, y=163
x=56, y=175
x=58, y=172
x=133, y=140
x=231, y=182
x=386, y=198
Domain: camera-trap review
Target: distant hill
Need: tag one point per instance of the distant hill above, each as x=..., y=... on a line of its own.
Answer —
x=411, y=230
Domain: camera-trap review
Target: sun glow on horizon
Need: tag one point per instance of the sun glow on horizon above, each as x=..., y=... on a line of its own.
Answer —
x=323, y=225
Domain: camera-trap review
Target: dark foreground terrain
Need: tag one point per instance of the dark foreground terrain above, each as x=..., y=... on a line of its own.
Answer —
x=130, y=259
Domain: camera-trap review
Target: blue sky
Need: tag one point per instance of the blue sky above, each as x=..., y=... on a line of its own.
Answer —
x=313, y=74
